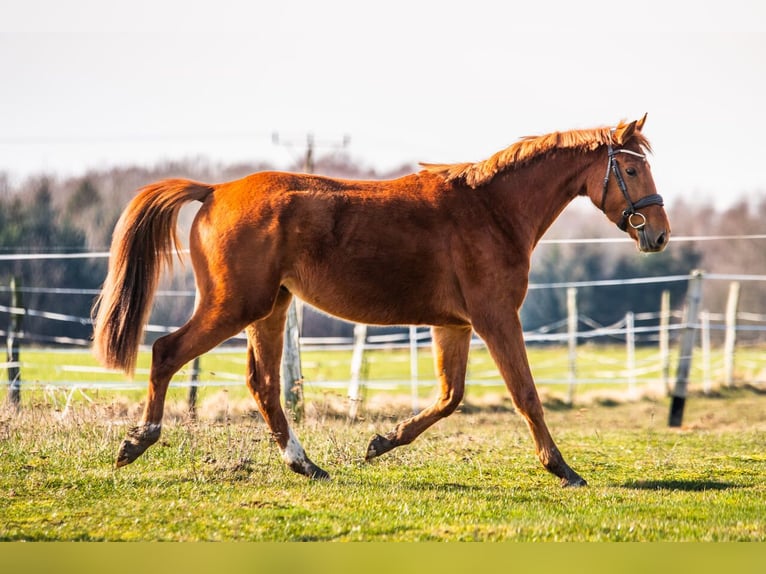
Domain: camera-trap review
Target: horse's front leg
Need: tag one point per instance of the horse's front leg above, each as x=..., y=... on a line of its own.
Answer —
x=451, y=346
x=505, y=342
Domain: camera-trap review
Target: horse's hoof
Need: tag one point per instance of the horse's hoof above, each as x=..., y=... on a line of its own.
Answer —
x=138, y=440
x=320, y=474
x=378, y=445
x=309, y=469
x=128, y=452
x=574, y=481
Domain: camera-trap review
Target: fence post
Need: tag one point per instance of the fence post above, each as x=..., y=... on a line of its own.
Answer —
x=693, y=299
x=292, y=380
x=414, y=367
x=730, y=340
x=193, y=378
x=665, y=340
x=707, y=378
x=572, y=332
x=14, y=332
x=630, y=349
x=357, y=362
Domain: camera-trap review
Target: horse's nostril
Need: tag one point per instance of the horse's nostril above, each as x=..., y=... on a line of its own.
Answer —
x=661, y=239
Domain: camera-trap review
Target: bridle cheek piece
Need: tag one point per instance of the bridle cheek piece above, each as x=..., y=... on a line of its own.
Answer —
x=630, y=215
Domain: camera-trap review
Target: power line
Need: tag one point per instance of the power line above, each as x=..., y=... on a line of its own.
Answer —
x=85, y=139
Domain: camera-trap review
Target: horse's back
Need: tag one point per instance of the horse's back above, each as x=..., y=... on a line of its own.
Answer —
x=369, y=251
x=416, y=187
x=290, y=200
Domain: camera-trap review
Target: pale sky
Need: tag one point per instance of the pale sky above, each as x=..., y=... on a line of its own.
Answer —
x=92, y=84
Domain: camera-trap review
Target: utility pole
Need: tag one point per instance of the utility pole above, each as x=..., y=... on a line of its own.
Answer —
x=292, y=378
x=311, y=144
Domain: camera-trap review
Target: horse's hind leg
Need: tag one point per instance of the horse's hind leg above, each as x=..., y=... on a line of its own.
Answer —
x=202, y=332
x=451, y=345
x=264, y=354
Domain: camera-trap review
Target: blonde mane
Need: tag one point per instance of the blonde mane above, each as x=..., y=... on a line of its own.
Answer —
x=532, y=147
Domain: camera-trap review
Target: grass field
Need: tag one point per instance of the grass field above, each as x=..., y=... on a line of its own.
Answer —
x=600, y=369
x=473, y=476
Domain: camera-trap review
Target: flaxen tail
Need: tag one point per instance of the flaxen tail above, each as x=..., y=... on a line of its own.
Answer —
x=144, y=241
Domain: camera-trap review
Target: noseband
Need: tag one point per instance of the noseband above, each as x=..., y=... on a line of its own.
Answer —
x=631, y=210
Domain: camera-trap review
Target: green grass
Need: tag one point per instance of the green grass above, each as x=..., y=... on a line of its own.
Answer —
x=599, y=368
x=473, y=476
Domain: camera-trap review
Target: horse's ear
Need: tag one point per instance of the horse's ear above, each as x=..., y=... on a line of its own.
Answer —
x=640, y=123
x=624, y=132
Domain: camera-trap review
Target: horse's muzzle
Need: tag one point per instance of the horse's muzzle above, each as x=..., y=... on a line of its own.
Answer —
x=652, y=242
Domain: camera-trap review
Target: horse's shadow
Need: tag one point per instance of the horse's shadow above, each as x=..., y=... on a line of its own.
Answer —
x=681, y=485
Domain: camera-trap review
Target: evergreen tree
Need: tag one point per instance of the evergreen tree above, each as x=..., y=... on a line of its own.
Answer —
x=33, y=226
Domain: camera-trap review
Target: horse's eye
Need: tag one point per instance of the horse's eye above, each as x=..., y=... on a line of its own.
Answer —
x=631, y=171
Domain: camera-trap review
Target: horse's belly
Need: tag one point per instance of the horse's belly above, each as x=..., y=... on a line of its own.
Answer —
x=381, y=302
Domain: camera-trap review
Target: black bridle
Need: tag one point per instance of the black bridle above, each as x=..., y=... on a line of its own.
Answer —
x=632, y=209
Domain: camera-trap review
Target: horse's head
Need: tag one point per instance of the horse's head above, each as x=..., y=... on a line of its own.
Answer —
x=626, y=192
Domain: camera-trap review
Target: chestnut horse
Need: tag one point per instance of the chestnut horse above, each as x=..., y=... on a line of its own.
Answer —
x=449, y=247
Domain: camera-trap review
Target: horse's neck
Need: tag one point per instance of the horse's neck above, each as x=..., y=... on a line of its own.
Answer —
x=535, y=195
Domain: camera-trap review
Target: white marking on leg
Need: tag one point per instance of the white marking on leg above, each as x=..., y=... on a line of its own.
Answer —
x=294, y=455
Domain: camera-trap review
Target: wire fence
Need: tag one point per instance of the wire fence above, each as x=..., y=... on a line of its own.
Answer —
x=591, y=366
x=641, y=353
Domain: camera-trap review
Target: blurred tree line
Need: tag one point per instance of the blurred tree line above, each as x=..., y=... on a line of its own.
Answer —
x=73, y=215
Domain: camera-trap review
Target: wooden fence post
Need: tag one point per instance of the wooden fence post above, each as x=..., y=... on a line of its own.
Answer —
x=665, y=340
x=707, y=369
x=414, y=367
x=357, y=363
x=14, y=332
x=729, y=343
x=292, y=380
x=630, y=350
x=693, y=300
x=572, y=332
x=193, y=378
